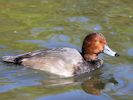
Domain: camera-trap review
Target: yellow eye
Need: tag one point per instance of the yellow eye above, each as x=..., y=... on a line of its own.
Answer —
x=97, y=42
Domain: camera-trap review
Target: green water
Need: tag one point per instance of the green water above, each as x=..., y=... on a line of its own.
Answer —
x=27, y=25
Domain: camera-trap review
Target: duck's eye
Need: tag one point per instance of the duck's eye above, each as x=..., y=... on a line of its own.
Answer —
x=97, y=42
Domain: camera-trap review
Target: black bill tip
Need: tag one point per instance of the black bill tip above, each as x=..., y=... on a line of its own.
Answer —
x=117, y=55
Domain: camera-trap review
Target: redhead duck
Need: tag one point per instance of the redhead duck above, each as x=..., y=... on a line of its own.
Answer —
x=66, y=61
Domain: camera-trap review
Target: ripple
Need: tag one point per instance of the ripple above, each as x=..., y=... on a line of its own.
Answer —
x=2, y=47
x=6, y=88
x=97, y=27
x=57, y=28
x=36, y=30
x=75, y=95
x=130, y=51
x=54, y=42
x=13, y=77
x=78, y=19
x=124, y=76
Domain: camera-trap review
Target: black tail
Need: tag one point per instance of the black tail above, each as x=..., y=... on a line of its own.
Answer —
x=12, y=59
x=18, y=58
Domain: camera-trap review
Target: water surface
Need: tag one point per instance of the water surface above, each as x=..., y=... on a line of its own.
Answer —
x=29, y=25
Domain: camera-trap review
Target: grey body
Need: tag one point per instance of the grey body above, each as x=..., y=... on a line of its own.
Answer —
x=61, y=61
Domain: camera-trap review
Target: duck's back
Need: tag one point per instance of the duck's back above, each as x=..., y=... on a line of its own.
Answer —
x=61, y=61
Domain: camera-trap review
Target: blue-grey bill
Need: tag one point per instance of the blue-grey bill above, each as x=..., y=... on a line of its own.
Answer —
x=108, y=51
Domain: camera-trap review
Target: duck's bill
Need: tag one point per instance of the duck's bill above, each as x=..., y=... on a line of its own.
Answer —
x=109, y=52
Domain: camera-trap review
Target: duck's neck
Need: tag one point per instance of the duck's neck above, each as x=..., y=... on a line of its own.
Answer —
x=90, y=57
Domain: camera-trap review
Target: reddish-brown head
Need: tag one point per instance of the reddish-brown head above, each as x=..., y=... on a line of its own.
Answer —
x=94, y=44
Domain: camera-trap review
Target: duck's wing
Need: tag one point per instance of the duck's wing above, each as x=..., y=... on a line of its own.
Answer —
x=18, y=58
x=62, y=53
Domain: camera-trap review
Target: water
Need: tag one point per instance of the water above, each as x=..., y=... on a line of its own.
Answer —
x=29, y=25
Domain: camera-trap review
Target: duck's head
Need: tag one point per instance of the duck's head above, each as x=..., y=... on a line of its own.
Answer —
x=94, y=44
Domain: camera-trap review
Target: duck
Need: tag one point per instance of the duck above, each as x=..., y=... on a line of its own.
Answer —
x=65, y=61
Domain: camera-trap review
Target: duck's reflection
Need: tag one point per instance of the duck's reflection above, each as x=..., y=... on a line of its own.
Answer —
x=91, y=83
x=95, y=85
